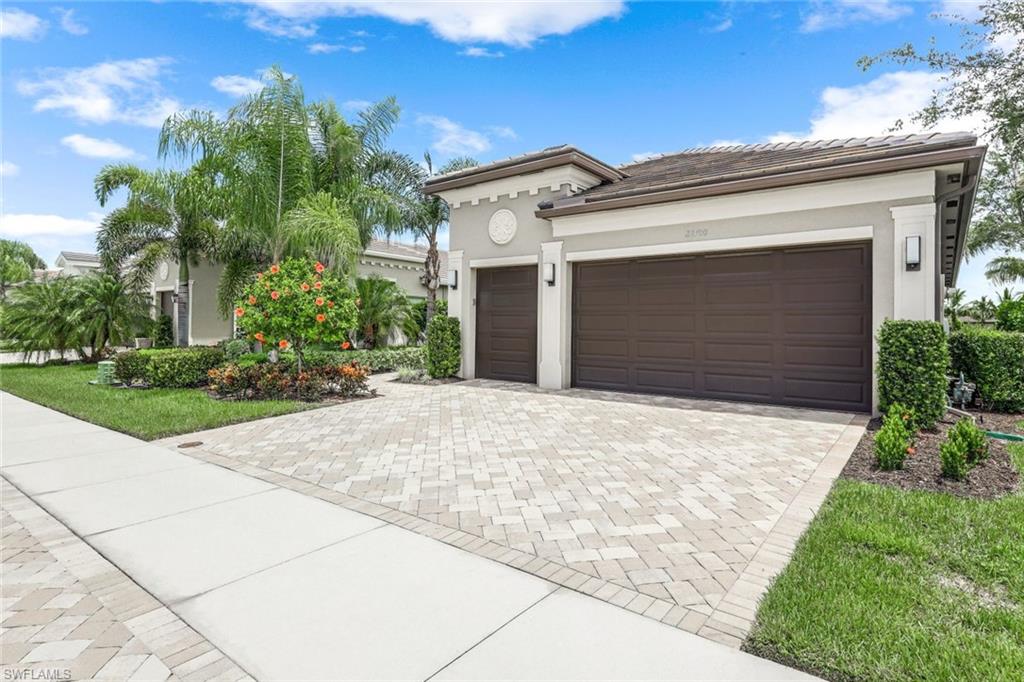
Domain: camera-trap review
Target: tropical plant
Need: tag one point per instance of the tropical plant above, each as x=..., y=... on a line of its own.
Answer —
x=428, y=215
x=300, y=181
x=955, y=307
x=39, y=318
x=1010, y=316
x=169, y=216
x=999, y=208
x=109, y=312
x=17, y=260
x=382, y=308
x=297, y=303
x=982, y=310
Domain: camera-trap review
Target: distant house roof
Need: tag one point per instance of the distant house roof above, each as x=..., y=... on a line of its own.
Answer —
x=412, y=253
x=79, y=257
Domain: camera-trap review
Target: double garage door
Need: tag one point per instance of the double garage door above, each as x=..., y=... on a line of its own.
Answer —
x=786, y=326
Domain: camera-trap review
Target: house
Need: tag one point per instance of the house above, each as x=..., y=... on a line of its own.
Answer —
x=756, y=273
x=399, y=262
x=76, y=264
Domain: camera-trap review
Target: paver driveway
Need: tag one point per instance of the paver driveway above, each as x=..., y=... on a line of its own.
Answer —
x=667, y=497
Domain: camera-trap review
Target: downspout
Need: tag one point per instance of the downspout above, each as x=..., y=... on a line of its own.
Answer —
x=972, y=182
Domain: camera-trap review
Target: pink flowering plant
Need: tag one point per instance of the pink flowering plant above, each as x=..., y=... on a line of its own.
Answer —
x=295, y=303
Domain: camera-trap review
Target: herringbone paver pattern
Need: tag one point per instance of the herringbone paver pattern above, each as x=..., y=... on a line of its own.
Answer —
x=68, y=614
x=671, y=498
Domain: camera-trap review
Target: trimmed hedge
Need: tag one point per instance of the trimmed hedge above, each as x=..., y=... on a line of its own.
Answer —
x=993, y=360
x=168, y=368
x=1010, y=316
x=444, y=346
x=376, y=359
x=912, y=362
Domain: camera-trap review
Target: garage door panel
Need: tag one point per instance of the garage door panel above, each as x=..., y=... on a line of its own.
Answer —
x=789, y=326
x=752, y=353
x=665, y=350
x=658, y=380
x=506, y=323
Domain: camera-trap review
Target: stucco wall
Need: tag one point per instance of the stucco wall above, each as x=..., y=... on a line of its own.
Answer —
x=207, y=325
x=405, y=273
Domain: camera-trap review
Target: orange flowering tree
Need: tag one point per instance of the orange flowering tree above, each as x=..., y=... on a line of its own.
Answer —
x=295, y=303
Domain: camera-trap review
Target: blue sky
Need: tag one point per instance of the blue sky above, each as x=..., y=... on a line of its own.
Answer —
x=85, y=84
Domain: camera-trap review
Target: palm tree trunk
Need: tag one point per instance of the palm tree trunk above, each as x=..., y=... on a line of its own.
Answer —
x=432, y=265
x=181, y=308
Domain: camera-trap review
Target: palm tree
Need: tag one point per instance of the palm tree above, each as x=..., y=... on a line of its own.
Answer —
x=17, y=260
x=168, y=215
x=296, y=179
x=382, y=306
x=110, y=311
x=1000, y=215
x=427, y=215
x=38, y=318
x=983, y=310
x=1008, y=294
x=954, y=307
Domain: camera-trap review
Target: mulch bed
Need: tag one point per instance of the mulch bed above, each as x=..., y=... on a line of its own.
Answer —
x=994, y=477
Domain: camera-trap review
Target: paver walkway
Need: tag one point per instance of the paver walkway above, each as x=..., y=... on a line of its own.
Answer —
x=291, y=586
x=685, y=502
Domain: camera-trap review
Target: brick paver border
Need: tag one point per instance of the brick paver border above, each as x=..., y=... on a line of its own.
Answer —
x=182, y=651
x=728, y=623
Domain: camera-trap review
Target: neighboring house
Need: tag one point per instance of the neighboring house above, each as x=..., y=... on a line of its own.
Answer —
x=401, y=263
x=755, y=273
x=75, y=264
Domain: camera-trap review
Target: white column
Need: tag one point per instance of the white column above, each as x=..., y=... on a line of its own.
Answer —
x=914, y=291
x=552, y=318
x=457, y=302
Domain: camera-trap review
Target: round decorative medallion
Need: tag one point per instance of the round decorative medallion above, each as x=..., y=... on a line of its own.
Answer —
x=502, y=226
x=164, y=270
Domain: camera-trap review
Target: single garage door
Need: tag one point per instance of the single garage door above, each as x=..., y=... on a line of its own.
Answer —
x=506, y=323
x=787, y=326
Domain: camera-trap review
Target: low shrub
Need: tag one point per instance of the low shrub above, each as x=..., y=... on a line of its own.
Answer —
x=412, y=375
x=376, y=359
x=973, y=438
x=954, y=459
x=994, y=361
x=163, y=332
x=250, y=359
x=444, y=346
x=894, y=441
x=912, y=362
x=235, y=348
x=130, y=366
x=182, y=367
x=277, y=381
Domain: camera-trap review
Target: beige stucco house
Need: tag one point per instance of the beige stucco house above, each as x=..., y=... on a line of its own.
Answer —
x=755, y=273
x=76, y=264
x=399, y=262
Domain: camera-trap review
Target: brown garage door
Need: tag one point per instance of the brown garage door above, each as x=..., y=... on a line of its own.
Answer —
x=788, y=326
x=506, y=323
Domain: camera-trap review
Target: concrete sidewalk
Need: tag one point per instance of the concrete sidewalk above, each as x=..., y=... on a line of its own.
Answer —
x=293, y=587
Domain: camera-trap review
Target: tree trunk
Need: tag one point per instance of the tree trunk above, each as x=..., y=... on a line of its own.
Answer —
x=181, y=308
x=432, y=265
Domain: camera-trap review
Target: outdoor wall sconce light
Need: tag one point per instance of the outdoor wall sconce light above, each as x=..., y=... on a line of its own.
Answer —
x=913, y=258
x=549, y=274
x=453, y=279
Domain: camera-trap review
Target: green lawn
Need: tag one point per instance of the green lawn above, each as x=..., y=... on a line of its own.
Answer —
x=145, y=413
x=891, y=585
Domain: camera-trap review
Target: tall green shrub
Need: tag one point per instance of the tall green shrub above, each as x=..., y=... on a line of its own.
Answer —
x=444, y=346
x=912, y=362
x=993, y=360
x=1010, y=316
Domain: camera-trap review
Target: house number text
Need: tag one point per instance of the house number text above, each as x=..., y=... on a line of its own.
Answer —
x=696, y=232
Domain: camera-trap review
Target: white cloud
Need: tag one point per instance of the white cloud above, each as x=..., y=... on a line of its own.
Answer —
x=21, y=25
x=452, y=138
x=723, y=25
x=873, y=108
x=8, y=169
x=503, y=131
x=68, y=22
x=476, y=51
x=236, y=86
x=328, y=48
x=824, y=15
x=355, y=104
x=126, y=91
x=21, y=225
x=84, y=145
x=511, y=23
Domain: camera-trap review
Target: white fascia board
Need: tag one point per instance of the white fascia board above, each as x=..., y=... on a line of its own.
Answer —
x=825, y=236
x=502, y=262
x=385, y=254
x=888, y=187
x=531, y=183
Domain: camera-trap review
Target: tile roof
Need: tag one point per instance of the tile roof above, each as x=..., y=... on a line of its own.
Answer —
x=80, y=256
x=404, y=250
x=708, y=165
